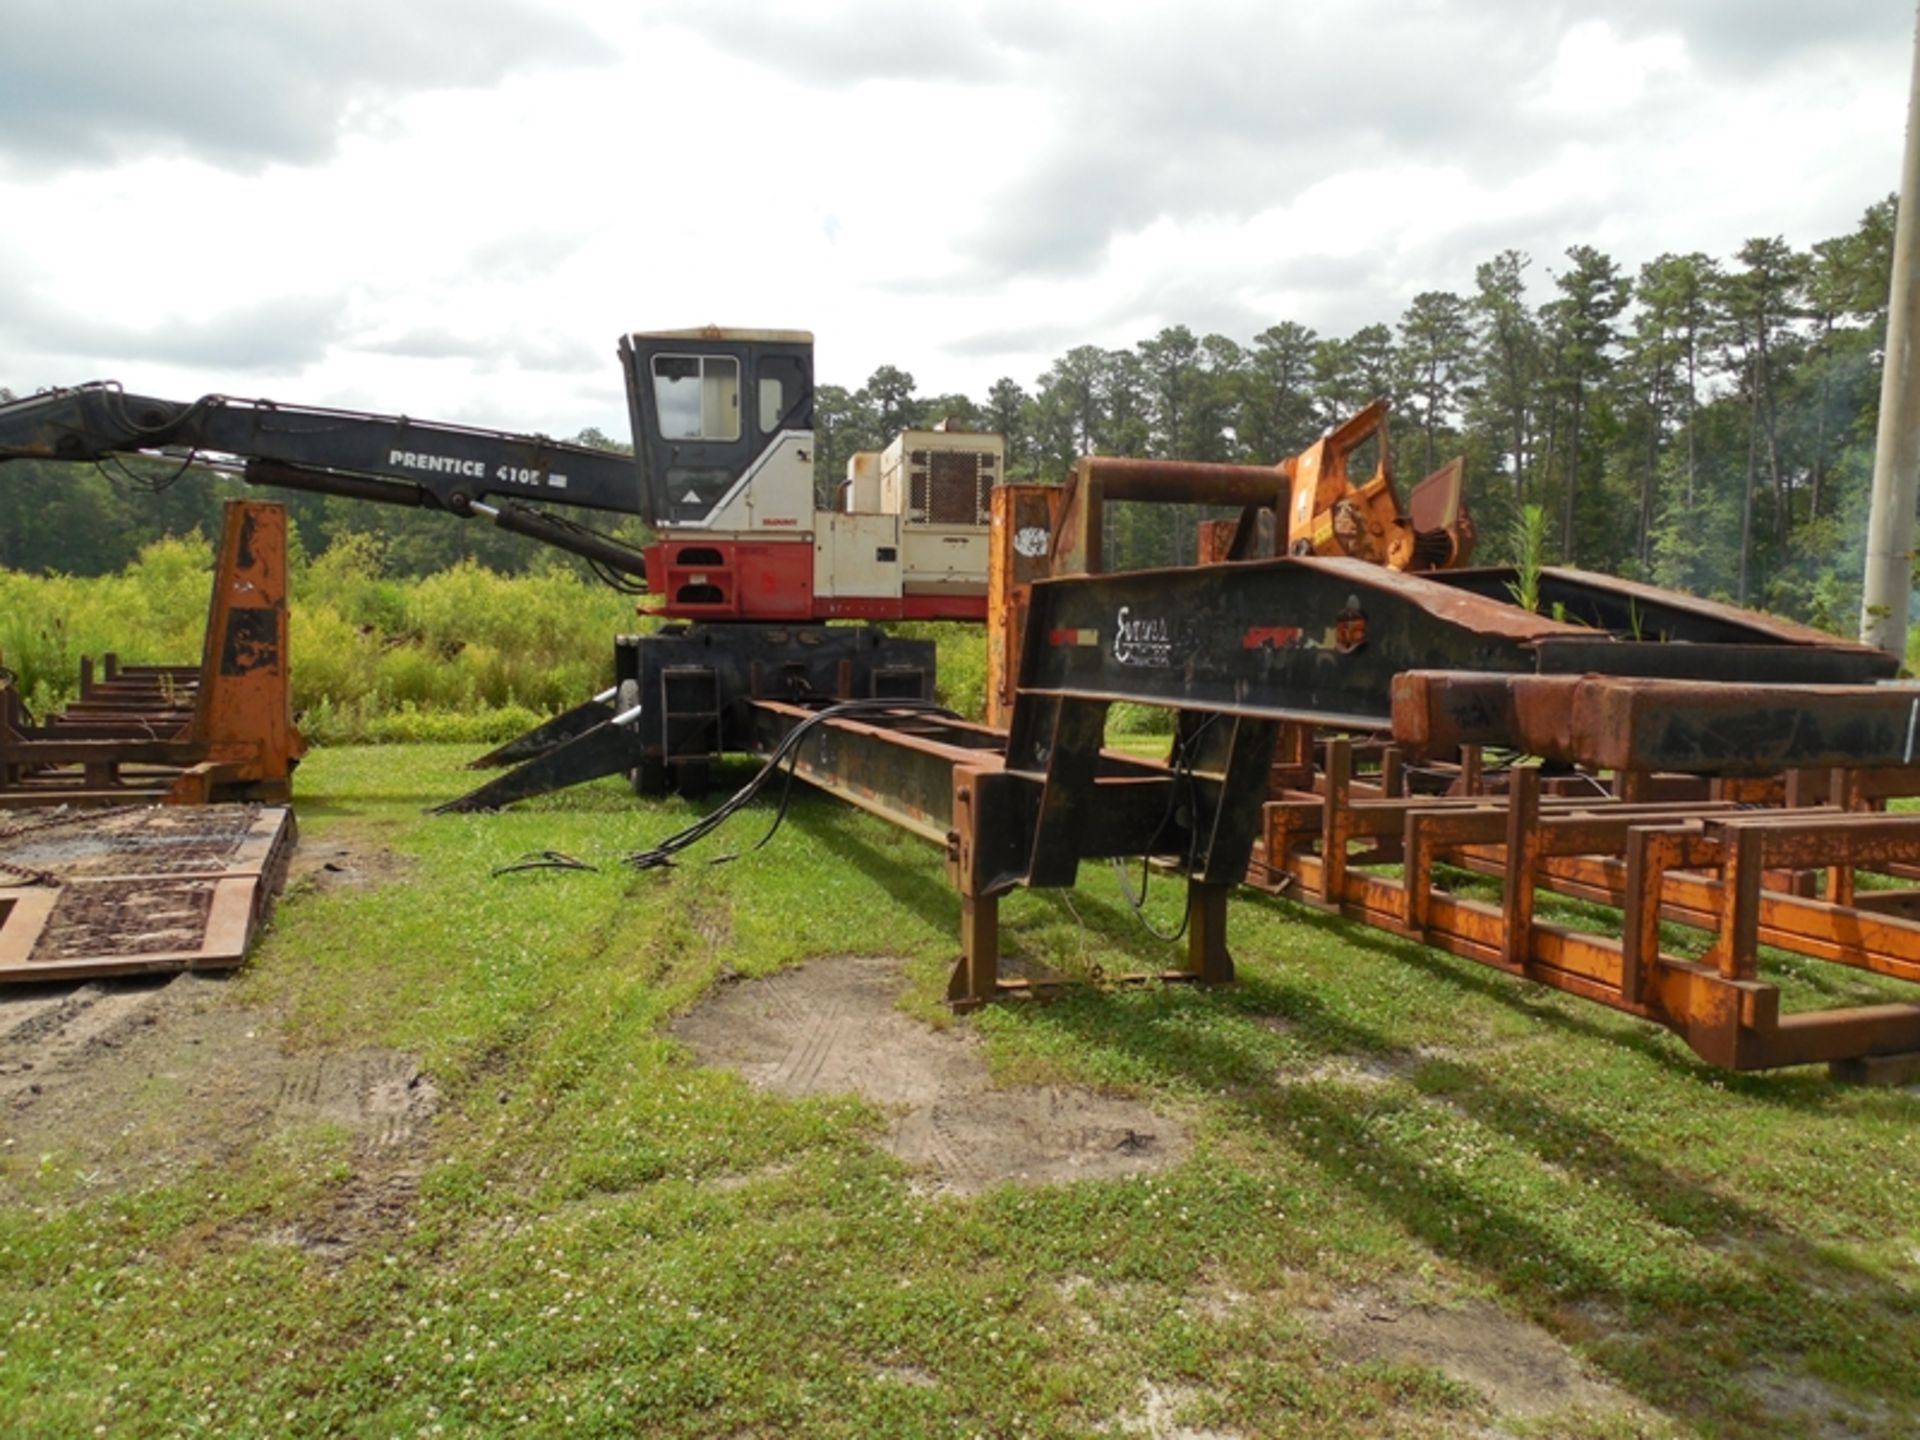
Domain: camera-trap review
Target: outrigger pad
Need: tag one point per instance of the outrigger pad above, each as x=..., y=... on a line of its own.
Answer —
x=550, y=734
x=607, y=749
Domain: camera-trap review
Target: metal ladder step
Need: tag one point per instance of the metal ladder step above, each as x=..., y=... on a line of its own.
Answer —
x=689, y=712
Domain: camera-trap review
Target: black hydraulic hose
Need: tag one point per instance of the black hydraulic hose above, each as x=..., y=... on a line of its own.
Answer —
x=786, y=753
x=543, y=860
x=1182, y=770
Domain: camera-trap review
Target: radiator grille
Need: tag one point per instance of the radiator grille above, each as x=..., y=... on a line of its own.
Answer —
x=950, y=487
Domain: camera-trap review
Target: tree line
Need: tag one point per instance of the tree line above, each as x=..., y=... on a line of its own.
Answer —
x=1702, y=422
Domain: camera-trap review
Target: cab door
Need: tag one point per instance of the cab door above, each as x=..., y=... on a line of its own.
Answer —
x=705, y=409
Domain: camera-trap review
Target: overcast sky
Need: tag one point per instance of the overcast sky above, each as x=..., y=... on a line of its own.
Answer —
x=454, y=207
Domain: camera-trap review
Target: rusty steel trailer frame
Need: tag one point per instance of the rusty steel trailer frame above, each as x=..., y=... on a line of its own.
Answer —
x=137, y=891
x=1259, y=657
x=1006, y=818
x=175, y=734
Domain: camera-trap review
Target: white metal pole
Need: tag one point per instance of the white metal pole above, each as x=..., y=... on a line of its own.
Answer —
x=1896, y=454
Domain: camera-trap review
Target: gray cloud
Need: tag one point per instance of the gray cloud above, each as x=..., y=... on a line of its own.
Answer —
x=863, y=41
x=550, y=351
x=490, y=354
x=245, y=83
x=1228, y=110
x=524, y=254
x=425, y=342
x=1017, y=340
x=1194, y=117
x=281, y=333
x=1225, y=109
x=1744, y=36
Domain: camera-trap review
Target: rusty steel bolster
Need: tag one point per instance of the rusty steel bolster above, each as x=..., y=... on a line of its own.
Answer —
x=1717, y=1005
x=1616, y=723
x=1857, y=937
x=1195, y=481
x=1603, y=606
x=960, y=795
x=1660, y=883
x=1734, y=664
x=1811, y=840
x=1301, y=639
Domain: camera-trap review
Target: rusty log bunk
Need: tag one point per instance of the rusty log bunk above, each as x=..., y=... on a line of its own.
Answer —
x=1685, y=764
x=132, y=840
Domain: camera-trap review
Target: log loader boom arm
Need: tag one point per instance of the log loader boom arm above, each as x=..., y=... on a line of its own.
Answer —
x=389, y=459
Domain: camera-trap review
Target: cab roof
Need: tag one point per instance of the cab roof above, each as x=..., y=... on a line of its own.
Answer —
x=728, y=333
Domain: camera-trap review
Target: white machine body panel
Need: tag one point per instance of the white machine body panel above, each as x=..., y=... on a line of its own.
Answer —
x=943, y=560
x=856, y=557
x=774, y=495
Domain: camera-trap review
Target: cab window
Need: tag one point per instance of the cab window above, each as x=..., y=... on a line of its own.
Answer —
x=779, y=384
x=697, y=397
x=773, y=403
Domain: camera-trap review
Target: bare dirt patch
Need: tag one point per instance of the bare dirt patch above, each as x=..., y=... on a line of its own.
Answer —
x=1157, y=1418
x=911, y=1376
x=133, y=1083
x=1521, y=1370
x=1364, y=1069
x=834, y=1027
x=1824, y=1412
x=345, y=864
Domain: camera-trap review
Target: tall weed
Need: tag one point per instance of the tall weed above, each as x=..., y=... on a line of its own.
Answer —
x=153, y=612
x=465, y=654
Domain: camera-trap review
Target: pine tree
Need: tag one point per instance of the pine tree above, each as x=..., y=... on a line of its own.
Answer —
x=1436, y=347
x=1279, y=418
x=1581, y=323
x=1508, y=342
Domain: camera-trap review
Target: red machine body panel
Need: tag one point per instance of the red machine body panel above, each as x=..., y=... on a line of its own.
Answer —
x=722, y=578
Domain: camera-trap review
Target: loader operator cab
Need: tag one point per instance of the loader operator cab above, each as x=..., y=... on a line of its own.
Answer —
x=712, y=409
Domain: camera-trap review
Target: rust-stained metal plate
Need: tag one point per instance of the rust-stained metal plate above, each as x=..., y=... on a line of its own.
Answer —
x=137, y=890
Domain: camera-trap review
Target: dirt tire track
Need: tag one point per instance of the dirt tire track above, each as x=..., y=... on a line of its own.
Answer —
x=46, y=1038
x=131, y=1083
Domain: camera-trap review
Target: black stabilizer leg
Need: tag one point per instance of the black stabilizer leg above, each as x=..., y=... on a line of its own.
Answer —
x=568, y=725
x=607, y=749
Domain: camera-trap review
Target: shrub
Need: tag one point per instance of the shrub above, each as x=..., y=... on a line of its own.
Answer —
x=465, y=654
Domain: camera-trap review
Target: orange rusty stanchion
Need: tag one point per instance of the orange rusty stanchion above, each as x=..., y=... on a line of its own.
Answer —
x=1025, y=518
x=244, y=718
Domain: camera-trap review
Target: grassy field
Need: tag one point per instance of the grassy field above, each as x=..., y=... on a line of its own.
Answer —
x=597, y=1235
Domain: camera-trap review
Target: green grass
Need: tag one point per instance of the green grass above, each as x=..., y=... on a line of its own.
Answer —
x=571, y=1264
